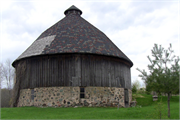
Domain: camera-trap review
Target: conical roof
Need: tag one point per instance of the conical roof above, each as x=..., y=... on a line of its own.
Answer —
x=72, y=8
x=73, y=34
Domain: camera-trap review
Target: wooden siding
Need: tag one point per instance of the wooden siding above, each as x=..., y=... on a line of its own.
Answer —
x=74, y=70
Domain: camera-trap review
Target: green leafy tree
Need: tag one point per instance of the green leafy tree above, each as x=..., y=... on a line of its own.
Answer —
x=134, y=89
x=135, y=86
x=148, y=90
x=163, y=76
x=159, y=111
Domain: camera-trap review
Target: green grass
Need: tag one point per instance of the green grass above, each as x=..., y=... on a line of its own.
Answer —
x=145, y=109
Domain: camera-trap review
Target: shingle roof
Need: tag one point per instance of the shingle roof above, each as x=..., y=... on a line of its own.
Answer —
x=73, y=34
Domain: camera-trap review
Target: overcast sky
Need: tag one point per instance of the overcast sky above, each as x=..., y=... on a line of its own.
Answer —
x=134, y=26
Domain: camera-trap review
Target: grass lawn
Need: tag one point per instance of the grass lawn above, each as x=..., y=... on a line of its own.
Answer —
x=145, y=109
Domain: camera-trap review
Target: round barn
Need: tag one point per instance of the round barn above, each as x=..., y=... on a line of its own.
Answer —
x=72, y=63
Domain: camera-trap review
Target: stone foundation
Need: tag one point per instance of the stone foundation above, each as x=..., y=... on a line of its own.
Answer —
x=70, y=96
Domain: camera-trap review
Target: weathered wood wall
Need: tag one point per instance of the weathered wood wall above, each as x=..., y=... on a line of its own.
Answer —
x=73, y=70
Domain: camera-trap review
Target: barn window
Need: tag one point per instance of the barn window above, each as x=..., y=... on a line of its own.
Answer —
x=82, y=92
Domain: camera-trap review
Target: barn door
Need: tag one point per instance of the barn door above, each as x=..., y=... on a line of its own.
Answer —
x=126, y=97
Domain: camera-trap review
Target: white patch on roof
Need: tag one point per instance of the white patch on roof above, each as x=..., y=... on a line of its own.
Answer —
x=37, y=47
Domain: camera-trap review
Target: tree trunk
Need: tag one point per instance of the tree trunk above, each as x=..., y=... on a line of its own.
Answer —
x=160, y=114
x=169, y=105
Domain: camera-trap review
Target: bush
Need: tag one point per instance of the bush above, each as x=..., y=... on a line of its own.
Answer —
x=141, y=91
x=134, y=89
x=148, y=90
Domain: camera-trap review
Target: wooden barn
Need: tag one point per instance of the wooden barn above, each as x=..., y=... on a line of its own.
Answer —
x=72, y=63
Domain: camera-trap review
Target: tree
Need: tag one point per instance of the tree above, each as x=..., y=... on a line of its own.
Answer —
x=7, y=74
x=163, y=74
x=0, y=74
x=135, y=86
x=6, y=80
x=134, y=89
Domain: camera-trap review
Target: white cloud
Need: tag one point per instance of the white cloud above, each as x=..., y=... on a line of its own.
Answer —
x=133, y=26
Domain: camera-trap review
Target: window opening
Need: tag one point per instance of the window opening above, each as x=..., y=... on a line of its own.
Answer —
x=82, y=92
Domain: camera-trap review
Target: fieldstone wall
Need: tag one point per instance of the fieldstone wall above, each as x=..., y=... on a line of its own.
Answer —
x=25, y=98
x=103, y=96
x=70, y=96
x=49, y=96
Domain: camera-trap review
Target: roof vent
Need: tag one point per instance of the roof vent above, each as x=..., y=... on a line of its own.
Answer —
x=73, y=9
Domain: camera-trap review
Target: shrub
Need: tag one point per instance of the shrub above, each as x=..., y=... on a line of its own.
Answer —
x=141, y=91
x=134, y=89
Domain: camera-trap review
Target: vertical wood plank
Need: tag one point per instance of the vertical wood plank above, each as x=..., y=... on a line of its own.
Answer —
x=75, y=70
x=60, y=73
x=28, y=73
x=87, y=71
x=94, y=72
x=106, y=78
x=63, y=70
x=102, y=73
x=82, y=70
x=37, y=72
x=109, y=74
x=78, y=69
x=56, y=71
x=51, y=71
x=46, y=72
